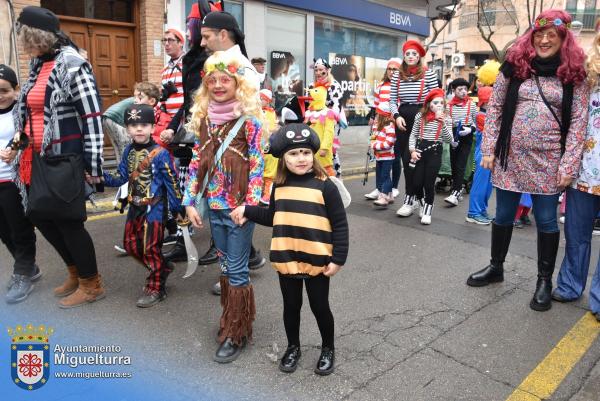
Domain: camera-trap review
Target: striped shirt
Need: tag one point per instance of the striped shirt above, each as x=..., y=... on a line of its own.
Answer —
x=382, y=99
x=410, y=92
x=432, y=131
x=172, y=73
x=383, y=142
x=310, y=228
x=466, y=114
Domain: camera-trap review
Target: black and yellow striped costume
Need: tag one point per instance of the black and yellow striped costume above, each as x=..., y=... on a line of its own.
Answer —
x=309, y=223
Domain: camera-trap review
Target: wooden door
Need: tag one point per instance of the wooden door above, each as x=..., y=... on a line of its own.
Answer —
x=111, y=51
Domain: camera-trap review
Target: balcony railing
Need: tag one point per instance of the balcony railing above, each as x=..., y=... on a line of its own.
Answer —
x=586, y=17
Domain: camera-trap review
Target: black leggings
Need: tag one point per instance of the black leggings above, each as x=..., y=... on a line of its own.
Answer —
x=317, y=289
x=426, y=170
x=72, y=242
x=401, y=152
x=16, y=231
x=458, y=160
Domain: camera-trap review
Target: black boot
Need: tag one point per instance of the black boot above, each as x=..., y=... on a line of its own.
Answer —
x=256, y=261
x=326, y=362
x=177, y=253
x=494, y=272
x=210, y=256
x=228, y=351
x=289, y=361
x=547, y=245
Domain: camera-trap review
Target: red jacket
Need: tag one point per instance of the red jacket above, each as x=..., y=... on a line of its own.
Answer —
x=161, y=122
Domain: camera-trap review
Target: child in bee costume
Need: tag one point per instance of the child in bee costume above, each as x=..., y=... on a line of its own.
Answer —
x=152, y=187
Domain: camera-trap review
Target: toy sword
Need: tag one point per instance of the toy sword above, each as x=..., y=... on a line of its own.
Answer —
x=192, y=252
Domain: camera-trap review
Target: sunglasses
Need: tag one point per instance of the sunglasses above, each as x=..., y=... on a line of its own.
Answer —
x=223, y=79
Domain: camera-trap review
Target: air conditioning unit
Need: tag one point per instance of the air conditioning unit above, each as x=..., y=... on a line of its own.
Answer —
x=458, y=60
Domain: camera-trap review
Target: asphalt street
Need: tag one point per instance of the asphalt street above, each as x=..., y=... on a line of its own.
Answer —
x=407, y=326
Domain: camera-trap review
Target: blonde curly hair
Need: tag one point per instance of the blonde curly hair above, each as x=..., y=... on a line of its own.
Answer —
x=592, y=64
x=36, y=39
x=246, y=92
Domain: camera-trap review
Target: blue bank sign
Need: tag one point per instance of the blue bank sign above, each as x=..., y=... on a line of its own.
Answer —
x=364, y=11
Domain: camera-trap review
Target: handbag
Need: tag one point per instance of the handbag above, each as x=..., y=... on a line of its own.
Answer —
x=57, y=189
x=201, y=202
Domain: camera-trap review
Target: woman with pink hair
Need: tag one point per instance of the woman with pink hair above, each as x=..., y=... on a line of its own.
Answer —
x=533, y=140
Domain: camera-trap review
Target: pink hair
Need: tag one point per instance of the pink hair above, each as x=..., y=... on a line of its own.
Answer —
x=572, y=57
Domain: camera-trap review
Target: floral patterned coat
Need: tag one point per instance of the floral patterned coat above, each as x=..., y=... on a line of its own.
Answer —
x=534, y=160
x=589, y=173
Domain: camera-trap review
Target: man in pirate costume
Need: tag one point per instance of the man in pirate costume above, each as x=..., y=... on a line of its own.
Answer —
x=152, y=186
x=463, y=112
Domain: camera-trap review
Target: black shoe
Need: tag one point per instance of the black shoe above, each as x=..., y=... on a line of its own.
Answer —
x=170, y=239
x=256, y=260
x=148, y=300
x=289, y=361
x=210, y=256
x=228, y=351
x=547, y=244
x=326, y=362
x=177, y=253
x=494, y=272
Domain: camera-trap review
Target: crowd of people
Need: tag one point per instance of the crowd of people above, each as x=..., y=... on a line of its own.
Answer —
x=204, y=149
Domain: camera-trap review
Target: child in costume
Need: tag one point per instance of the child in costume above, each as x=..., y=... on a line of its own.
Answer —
x=322, y=120
x=463, y=112
x=149, y=170
x=432, y=127
x=266, y=97
x=310, y=237
x=16, y=231
x=383, y=137
x=481, y=189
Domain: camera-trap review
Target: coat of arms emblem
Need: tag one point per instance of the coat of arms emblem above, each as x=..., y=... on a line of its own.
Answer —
x=30, y=356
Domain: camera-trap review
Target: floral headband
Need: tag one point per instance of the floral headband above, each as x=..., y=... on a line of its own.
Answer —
x=545, y=22
x=230, y=69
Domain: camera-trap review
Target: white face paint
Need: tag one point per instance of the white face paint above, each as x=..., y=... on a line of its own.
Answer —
x=411, y=57
x=460, y=92
x=437, y=104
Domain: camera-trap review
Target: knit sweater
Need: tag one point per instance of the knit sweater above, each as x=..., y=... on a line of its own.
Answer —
x=310, y=228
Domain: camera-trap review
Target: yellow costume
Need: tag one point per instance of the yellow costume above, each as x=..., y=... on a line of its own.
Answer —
x=322, y=120
x=270, y=161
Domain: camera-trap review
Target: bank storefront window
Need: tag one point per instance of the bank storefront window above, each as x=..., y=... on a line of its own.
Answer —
x=358, y=58
x=286, y=39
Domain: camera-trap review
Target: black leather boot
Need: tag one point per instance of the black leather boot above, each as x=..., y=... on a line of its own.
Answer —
x=494, y=272
x=547, y=245
x=289, y=361
x=228, y=351
x=177, y=253
x=210, y=256
x=326, y=362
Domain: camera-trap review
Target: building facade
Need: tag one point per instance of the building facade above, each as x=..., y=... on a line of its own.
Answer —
x=459, y=50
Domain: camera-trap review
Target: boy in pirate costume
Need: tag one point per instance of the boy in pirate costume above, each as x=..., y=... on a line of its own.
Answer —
x=463, y=112
x=149, y=171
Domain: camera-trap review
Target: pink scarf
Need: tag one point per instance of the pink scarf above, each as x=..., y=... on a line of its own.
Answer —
x=221, y=113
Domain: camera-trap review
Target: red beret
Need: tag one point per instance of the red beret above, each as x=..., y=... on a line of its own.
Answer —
x=194, y=12
x=177, y=34
x=414, y=44
x=484, y=94
x=437, y=92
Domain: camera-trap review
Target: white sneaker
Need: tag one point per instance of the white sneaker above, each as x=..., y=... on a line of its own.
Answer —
x=374, y=194
x=120, y=249
x=452, y=199
x=421, y=205
x=426, y=218
x=381, y=202
x=395, y=192
x=561, y=219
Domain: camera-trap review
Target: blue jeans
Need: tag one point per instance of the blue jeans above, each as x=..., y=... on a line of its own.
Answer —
x=544, y=209
x=582, y=207
x=383, y=175
x=233, y=245
x=481, y=188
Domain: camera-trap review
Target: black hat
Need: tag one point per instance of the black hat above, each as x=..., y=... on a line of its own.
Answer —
x=459, y=82
x=40, y=18
x=8, y=74
x=293, y=136
x=224, y=20
x=139, y=114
